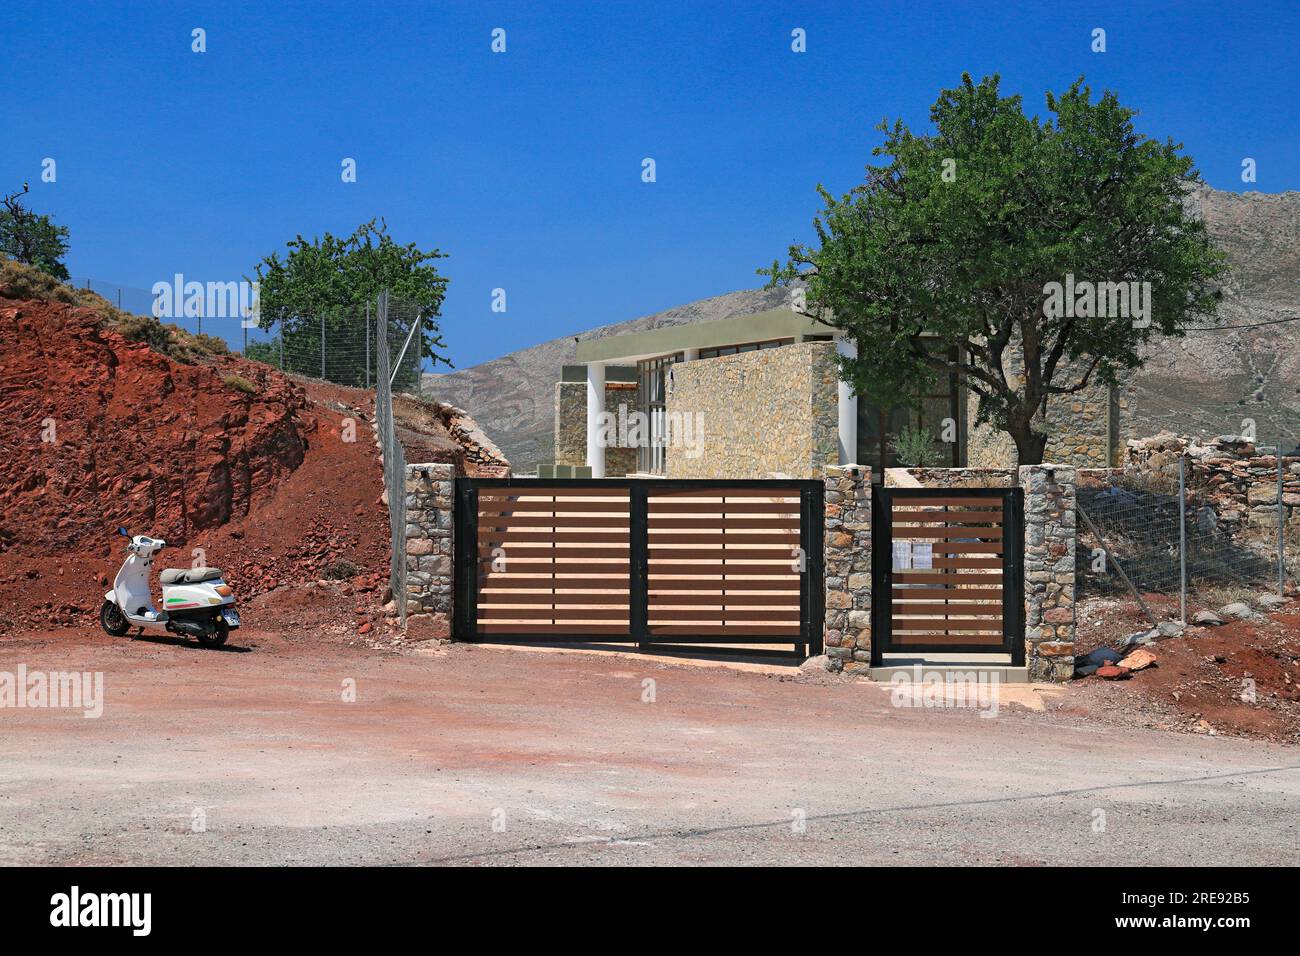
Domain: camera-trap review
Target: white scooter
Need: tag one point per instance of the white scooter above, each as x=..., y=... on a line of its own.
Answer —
x=196, y=602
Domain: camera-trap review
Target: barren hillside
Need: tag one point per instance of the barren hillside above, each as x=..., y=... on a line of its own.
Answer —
x=109, y=419
x=1209, y=382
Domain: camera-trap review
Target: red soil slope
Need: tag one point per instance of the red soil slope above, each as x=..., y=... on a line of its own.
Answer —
x=228, y=456
x=101, y=431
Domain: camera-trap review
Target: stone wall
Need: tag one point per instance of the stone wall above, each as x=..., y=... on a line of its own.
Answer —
x=757, y=414
x=1049, y=570
x=950, y=478
x=429, y=544
x=481, y=458
x=1229, y=474
x=846, y=632
x=571, y=425
x=1082, y=429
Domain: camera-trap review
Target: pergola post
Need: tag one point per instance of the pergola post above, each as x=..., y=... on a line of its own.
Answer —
x=848, y=407
x=595, y=411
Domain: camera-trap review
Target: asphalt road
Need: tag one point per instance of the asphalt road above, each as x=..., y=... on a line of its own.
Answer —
x=473, y=755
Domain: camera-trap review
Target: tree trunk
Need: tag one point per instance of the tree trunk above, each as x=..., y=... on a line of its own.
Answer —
x=1030, y=445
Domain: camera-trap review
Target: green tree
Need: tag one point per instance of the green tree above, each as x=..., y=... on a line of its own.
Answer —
x=330, y=282
x=962, y=233
x=32, y=239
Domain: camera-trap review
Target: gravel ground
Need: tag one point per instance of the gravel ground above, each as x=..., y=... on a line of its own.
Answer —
x=480, y=755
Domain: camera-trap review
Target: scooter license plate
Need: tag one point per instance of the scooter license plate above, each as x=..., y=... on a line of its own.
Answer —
x=231, y=616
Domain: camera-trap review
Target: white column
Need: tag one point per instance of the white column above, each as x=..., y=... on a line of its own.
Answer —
x=595, y=407
x=690, y=355
x=848, y=407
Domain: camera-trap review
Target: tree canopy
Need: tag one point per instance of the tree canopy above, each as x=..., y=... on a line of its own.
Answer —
x=33, y=239
x=1047, y=251
x=328, y=283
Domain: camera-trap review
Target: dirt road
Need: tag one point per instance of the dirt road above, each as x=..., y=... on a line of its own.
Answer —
x=475, y=755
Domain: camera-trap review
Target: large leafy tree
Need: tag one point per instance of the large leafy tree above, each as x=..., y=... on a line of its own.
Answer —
x=32, y=239
x=326, y=286
x=962, y=232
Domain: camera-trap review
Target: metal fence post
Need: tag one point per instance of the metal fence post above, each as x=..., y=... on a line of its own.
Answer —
x=282, y=333
x=367, y=343
x=322, y=346
x=1182, y=538
x=1281, y=525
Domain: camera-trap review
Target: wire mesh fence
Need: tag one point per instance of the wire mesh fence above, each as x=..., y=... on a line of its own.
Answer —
x=340, y=345
x=1181, y=535
x=336, y=344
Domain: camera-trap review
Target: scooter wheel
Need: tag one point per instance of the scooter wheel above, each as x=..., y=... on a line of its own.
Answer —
x=220, y=631
x=112, y=620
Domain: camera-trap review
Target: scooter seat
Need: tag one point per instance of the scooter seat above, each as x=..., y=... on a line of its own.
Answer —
x=189, y=575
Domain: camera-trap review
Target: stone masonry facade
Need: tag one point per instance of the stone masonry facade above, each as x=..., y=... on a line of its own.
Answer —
x=761, y=413
x=571, y=425
x=429, y=544
x=1082, y=428
x=1050, y=535
x=846, y=631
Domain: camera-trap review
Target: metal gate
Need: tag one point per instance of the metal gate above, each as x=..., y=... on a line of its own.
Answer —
x=947, y=568
x=643, y=561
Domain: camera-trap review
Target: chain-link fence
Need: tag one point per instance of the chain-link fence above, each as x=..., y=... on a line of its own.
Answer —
x=1189, y=533
x=340, y=345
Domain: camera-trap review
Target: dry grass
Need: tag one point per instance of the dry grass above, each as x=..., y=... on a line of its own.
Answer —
x=18, y=281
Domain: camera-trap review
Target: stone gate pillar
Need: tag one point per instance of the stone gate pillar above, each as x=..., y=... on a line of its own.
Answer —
x=847, y=627
x=1049, y=570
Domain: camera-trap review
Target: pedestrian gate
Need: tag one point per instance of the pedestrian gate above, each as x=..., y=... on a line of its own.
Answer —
x=947, y=568
x=643, y=561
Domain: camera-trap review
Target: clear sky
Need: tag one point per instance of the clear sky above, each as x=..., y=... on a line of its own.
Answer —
x=525, y=166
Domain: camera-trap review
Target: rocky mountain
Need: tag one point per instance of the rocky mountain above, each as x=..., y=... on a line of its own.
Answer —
x=1209, y=383
x=1206, y=384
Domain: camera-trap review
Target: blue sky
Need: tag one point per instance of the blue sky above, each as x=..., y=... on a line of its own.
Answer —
x=525, y=166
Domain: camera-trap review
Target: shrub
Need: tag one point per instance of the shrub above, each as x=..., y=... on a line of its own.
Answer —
x=916, y=448
x=239, y=383
x=339, y=570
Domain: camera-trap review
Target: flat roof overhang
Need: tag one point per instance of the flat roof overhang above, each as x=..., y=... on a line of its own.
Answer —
x=669, y=339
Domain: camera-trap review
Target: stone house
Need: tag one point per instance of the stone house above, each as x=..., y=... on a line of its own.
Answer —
x=758, y=396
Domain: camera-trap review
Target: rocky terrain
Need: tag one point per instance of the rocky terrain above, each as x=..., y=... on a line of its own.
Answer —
x=1204, y=384
x=1208, y=383
x=109, y=419
x=1236, y=674
x=96, y=428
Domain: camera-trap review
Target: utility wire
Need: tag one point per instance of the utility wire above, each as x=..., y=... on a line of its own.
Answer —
x=1252, y=325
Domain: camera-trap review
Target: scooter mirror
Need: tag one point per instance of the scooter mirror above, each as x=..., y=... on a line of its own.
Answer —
x=123, y=532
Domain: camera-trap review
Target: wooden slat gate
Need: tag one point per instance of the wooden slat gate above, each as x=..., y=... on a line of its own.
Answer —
x=649, y=561
x=947, y=571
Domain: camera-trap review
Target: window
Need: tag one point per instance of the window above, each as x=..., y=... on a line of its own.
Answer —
x=652, y=380
x=877, y=427
x=743, y=347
